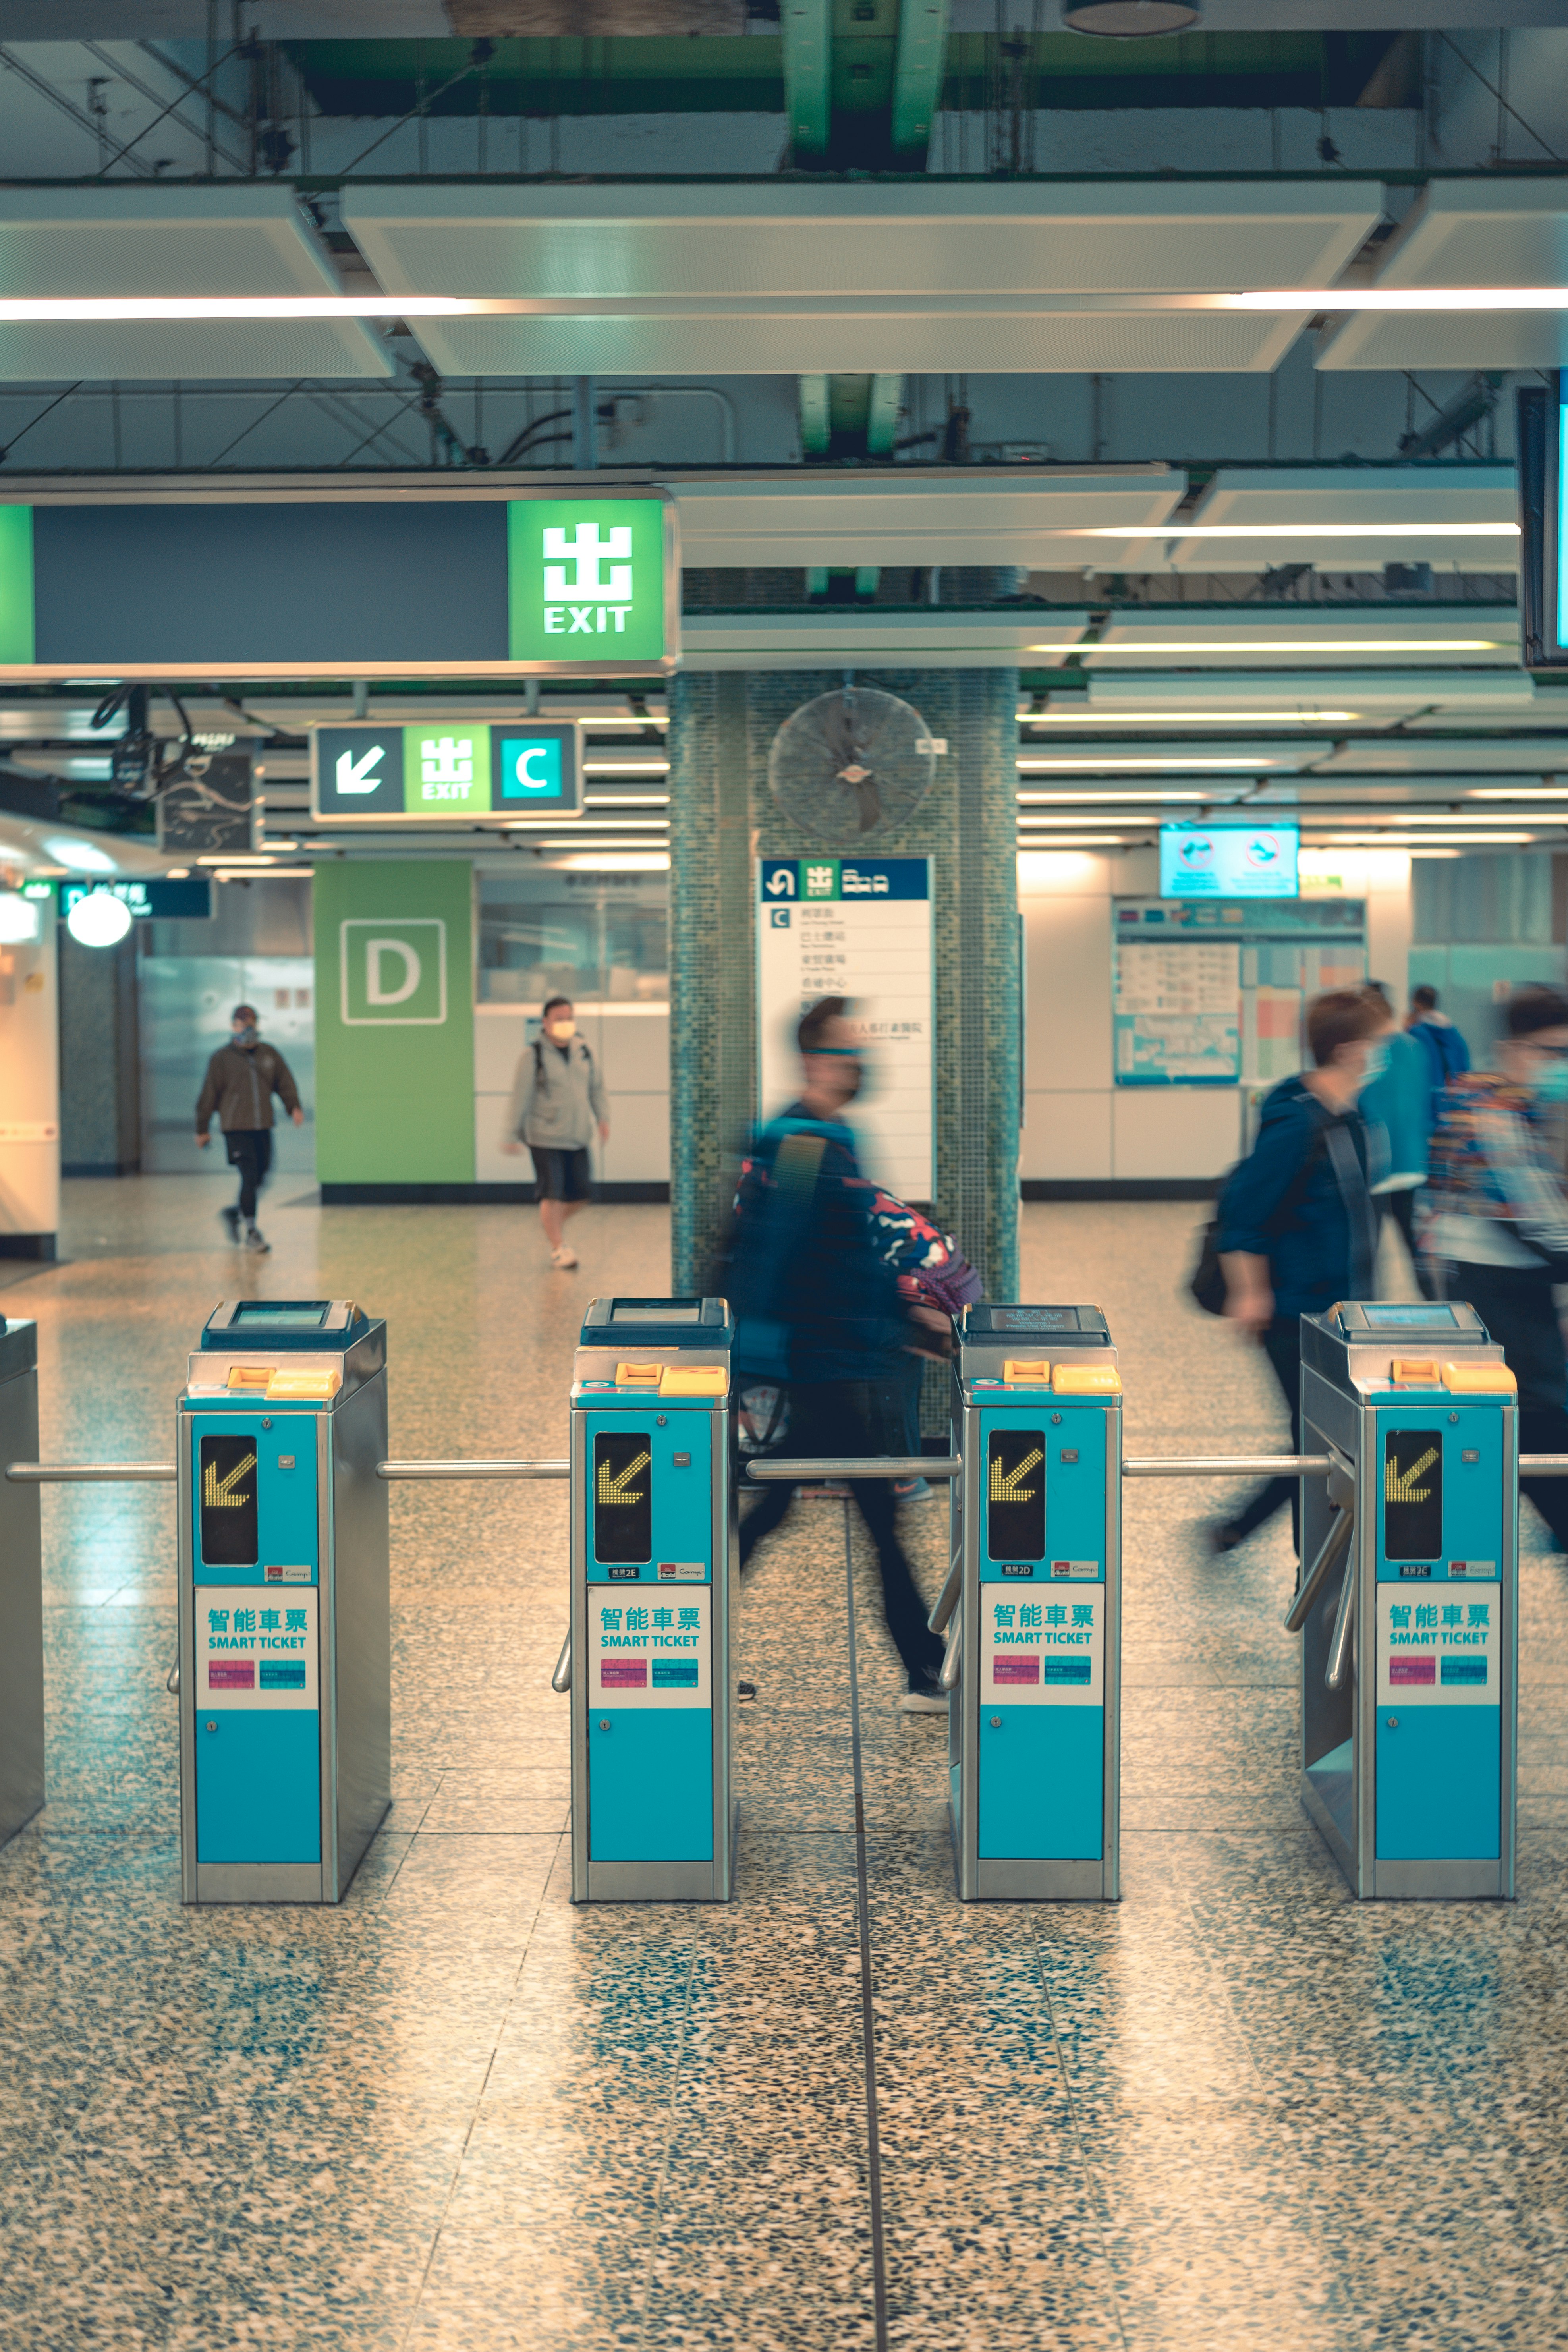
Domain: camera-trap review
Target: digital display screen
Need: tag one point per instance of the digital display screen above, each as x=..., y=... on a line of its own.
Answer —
x=1410, y=1318
x=674, y=1313
x=1015, y=1494
x=623, y=1496
x=1036, y=1319
x=226, y=1501
x=282, y=1318
x=1412, y=1495
x=1229, y=861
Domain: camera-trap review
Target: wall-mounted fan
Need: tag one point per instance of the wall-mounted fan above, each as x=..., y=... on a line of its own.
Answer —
x=852, y=763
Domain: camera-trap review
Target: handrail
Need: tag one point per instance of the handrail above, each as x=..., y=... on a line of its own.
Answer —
x=473, y=1469
x=90, y=1473
x=1229, y=1465
x=872, y=1466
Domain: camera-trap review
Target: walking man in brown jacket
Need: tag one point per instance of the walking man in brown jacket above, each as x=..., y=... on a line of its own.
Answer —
x=241, y=1080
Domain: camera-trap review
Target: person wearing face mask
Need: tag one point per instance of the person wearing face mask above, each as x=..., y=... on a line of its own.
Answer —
x=1498, y=1219
x=557, y=1099
x=818, y=1312
x=241, y=1080
x=1297, y=1228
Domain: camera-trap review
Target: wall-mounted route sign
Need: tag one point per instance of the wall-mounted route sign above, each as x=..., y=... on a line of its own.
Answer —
x=488, y=581
x=446, y=772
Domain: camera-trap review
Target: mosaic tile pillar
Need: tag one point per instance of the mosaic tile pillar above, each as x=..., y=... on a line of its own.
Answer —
x=722, y=817
x=713, y=1043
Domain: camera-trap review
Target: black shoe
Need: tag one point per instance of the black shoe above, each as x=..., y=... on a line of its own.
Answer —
x=231, y=1219
x=1224, y=1535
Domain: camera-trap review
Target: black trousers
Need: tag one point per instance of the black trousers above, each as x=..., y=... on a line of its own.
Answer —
x=1515, y=1304
x=1282, y=1345
x=249, y=1151
x=1401, y=1207
x=830, y=1418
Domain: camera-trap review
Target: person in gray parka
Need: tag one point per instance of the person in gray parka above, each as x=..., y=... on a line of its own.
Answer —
x=557, y=1098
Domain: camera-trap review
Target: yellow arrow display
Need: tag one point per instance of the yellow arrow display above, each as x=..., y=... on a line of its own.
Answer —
x=218, y=1493
x=611, y=1487
x=1005, y=1483
x=1399, y=1485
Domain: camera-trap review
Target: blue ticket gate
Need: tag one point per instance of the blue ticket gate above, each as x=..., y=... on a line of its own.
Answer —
x=285, y=1665
x=1033, y=1605
x=655, y=1569
x=1408, y=1605
x=21, y=1586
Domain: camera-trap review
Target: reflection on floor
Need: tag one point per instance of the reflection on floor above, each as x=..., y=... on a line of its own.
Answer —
x=458, y=2114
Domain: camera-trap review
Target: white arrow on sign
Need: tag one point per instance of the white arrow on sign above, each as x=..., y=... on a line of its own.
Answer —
x=355, y=776
x=780, y=879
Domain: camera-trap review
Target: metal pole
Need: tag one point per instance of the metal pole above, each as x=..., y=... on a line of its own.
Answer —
x=1230, y=1465
x=89, y=1473
x=874, y=1466
x=1333, y=1543
x=473, y=1469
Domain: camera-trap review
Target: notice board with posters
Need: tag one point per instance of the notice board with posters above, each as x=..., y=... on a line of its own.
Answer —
x=856, y=927
x=1214, y=993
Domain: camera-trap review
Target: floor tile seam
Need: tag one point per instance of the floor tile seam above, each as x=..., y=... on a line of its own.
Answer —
x=461, y=2157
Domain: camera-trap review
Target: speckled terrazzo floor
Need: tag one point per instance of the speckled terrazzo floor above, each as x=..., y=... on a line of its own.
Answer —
x=458, y=2115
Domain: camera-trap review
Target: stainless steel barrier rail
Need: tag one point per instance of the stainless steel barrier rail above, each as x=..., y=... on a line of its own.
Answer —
x=90, y=1473
x=473, y=1469
x=1227, y=1465
x=872, y=1465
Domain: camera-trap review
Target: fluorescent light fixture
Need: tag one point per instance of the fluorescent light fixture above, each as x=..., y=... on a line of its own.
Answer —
x=592, y=824
x=1314, y=299
x=1287, y=646
x=251, y=873
x=632, y=862
x=1078, y=800
x=651, y=766
x=626, y=799
x=47, y=309
x=19, y=918
x=1519, y=793
x=79, y=857
x=240, y=857
x=178, y=874
x=1398, y=816
x=1189, y=718
x=1082, y=841
x=98, y=921
x=1090, y=766
x=1391, y=530
x=1108, y=816
x=1394, y=840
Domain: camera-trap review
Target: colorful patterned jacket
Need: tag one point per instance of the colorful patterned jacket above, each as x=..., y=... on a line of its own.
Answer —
x=1491, y=1159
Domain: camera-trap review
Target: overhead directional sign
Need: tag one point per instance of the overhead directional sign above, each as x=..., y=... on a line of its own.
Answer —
x=447, y=772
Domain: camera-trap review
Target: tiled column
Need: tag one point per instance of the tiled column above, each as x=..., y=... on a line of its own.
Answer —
x=723, y=815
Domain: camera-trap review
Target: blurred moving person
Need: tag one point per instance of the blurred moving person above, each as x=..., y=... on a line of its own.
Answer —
x=1297, y=1227
x=1499, y=1220
x=1400, y=1104
x=1447, y=1054
x=557, y=1098
x=241, y=1080
x=818, y=1311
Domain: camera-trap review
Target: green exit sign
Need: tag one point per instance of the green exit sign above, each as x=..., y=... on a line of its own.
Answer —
x=594, y=582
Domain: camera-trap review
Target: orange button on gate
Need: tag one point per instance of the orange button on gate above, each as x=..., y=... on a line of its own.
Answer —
x=1415, y=1372
x=1480, y=1379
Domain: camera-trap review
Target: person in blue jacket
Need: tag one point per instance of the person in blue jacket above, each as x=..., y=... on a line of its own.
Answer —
x=1297, y=1227
x=819, y=1310
x=1442, y=1043
x=1397, y=1109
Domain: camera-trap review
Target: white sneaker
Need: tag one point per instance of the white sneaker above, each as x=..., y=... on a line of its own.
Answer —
x=929, y=1699
x=563, y=1258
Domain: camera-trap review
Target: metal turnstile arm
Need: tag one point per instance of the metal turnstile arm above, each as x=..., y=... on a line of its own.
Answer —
x=1543, y=1466
x=1339, y=1647
x=472, y=1470
x=1333, y=1543
x=872, y=1465
x=947, y=1599
x=90, y=1473
x=948, y=1677
x=1229, y=1465
x=561, y=1680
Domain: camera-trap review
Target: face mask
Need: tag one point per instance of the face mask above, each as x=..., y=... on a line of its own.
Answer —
x=1552, y=1085
x=245, y=1036
x=1376, y=1063
x=561, y=1030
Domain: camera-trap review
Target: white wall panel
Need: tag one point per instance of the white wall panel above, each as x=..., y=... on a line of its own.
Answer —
x=1066, y=1137
x=1174, y=1131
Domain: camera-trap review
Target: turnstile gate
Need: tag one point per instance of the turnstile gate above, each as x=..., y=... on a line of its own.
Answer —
x=1034, y=1649
x=21, y=1587
x=1408, y=1607
x=284, y=1672
x=654, y=1566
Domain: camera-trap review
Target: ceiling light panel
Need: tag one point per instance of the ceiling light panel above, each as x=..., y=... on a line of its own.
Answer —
x=1353, y=519
x=1467, y=637
x=1464, y=234
x=152, y=240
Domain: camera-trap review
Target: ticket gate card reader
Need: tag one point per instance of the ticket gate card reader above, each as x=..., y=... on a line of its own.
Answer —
x=1035, y=1736
x=654, y=1570
x=1409, y=1651
x=21, y=1586
x=285, y=1629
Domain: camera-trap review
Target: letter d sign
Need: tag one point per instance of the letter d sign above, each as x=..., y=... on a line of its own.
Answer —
x=393, y=972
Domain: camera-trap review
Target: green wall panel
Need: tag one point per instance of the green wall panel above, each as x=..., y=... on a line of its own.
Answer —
x=395, y=1023
x=17, y=584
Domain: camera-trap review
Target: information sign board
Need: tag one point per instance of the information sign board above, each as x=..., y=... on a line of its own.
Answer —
x=447, y=770
x=860, y=928
x=1229, y=861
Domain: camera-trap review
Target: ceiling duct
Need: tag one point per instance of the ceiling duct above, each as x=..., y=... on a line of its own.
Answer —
x=1130, y=20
